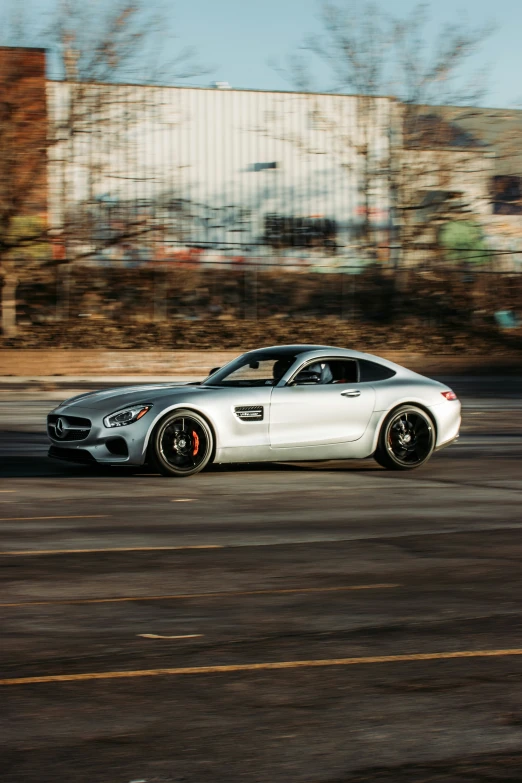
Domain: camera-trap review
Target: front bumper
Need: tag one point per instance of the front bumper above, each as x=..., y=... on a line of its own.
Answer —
x=71, y=455
x=104, y=445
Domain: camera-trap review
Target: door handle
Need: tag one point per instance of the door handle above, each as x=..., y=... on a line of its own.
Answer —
x=351, y=393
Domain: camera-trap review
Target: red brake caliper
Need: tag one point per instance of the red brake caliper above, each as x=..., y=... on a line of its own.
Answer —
x=196, y=443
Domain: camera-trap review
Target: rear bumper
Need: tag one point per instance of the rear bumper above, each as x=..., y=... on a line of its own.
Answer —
x=448, y=442
x=447, y=418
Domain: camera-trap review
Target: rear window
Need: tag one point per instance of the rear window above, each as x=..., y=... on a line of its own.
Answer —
x=373, y=371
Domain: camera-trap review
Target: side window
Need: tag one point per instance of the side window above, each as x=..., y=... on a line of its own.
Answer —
x=372, y=371
x=343, y=370
x=328, y=371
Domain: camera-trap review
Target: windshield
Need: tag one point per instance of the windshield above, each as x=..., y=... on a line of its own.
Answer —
x=257, y=368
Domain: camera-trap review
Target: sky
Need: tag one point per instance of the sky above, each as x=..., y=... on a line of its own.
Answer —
x=237, y=38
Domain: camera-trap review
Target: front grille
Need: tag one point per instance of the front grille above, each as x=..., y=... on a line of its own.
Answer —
x=72, y=427
x=76, y=434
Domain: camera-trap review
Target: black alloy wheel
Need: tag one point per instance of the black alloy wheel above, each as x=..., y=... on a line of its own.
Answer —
x=407, y=439
x=182, y=444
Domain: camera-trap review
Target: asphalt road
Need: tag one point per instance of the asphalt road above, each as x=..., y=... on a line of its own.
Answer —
x=324, y=623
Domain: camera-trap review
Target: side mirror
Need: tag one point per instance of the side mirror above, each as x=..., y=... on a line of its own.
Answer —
x=306, y=378
x=214, y=369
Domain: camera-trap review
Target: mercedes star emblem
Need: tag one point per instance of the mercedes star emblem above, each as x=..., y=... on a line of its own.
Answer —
x=60, y=428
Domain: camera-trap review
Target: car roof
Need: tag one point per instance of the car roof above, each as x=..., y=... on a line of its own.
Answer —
x=316, y=351
x=313, y=351
x=284, y=350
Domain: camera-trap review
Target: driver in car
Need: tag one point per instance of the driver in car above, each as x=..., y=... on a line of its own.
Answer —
x=323, y=371
x=319, y=373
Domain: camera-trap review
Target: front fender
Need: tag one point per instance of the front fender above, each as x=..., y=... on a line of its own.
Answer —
x=172, y=407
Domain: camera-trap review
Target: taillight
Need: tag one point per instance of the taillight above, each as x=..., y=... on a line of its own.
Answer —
x=449, y=395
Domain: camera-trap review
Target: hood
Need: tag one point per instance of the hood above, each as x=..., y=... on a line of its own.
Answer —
x=128, y=395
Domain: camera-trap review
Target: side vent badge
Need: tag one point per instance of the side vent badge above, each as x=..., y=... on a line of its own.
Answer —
x=249, y=412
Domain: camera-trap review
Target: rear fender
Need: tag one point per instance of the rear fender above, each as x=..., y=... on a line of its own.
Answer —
x=386, y=414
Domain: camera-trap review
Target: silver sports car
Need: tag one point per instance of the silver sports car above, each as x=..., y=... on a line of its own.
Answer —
x=287, y=403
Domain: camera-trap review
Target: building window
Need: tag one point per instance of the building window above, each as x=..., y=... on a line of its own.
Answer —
x=283, y=231
x=506, y=195
x=262, y=166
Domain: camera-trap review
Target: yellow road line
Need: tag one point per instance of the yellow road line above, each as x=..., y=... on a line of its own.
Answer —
x=188, y=596
x=253, y=667
x=65, y=516
x=115, y=549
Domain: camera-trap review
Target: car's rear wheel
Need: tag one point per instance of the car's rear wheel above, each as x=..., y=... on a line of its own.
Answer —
x=182, y=444
x=406, y=440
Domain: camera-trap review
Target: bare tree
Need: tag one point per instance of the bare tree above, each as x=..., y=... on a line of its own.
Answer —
x=440, y=172
x=23, y=142
x=77, y=125
x=371, y=54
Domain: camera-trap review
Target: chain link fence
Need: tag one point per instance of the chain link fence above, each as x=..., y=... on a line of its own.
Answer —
x=261, y=291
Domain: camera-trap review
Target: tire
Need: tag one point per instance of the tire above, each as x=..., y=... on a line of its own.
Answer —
x=182, y=444
x=406, y=439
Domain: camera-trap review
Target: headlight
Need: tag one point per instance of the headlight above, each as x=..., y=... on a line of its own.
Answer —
x=126, y=416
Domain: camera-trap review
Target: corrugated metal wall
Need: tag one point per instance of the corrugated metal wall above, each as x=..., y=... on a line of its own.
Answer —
x=227, y=171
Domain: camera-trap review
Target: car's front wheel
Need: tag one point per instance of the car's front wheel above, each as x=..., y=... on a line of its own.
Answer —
x=182, y=444
x=406, y=440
